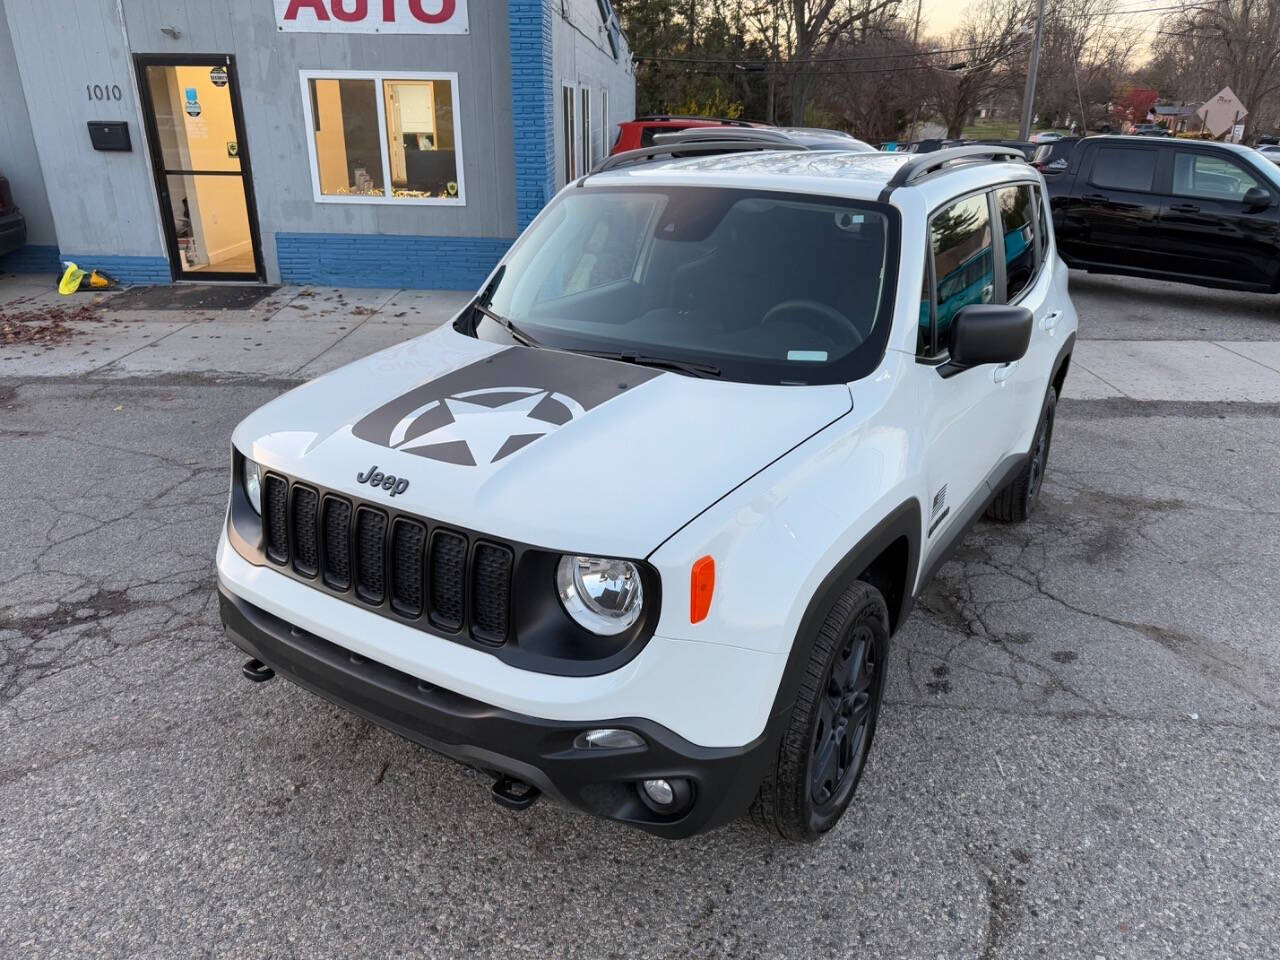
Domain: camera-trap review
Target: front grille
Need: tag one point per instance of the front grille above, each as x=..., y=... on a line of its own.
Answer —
x=408, y=568
x=371, y=555
x=275, y=518
x=491, y=588
x=306, y=553
x=448, y=579
x=337, y=543
x=407, y=540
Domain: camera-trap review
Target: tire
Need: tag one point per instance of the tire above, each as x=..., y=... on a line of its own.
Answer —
x=819, y=761
x=1017, y=501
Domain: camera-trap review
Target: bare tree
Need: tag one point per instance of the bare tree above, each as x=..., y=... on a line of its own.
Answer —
x=874, y=92
x=1234, y=43
x=988, y=37
x=799, y=33
x=1087, y=52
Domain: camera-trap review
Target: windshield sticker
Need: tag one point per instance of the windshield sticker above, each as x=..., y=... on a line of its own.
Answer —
x=489, y=409
x=809, y=356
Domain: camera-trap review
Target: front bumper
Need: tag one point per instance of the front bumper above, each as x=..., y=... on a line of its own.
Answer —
x=499, y=741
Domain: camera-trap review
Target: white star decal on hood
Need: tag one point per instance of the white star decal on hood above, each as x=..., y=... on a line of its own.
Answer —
x=482, y=432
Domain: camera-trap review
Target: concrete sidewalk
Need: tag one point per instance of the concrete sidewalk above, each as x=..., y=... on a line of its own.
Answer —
x=294, y=333
x=297, y=333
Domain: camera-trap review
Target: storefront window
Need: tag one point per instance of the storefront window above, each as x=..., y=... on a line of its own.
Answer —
x=348, y=147
x=384, y=139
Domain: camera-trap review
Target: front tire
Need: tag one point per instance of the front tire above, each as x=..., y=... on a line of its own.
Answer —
x=828, y=735
x=1017, y=501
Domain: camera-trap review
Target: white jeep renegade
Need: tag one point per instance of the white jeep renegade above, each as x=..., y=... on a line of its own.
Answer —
x=634, y=529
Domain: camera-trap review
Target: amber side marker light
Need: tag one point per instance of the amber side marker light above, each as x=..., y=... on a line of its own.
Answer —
x=702, y=583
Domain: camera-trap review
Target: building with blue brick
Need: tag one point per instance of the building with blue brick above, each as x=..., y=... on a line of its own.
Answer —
x=380, y=143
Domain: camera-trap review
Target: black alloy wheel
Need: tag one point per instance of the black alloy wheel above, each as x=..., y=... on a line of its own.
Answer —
x=823, y=744
x=841, y=736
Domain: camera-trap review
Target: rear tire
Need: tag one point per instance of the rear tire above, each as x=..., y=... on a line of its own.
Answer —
x=828, y=735
x=1017, y=501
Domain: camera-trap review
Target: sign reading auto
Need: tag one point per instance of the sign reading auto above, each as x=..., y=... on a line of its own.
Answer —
x=372, y=16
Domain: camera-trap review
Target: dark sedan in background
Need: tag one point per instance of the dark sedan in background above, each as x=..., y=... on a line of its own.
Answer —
x=13, y=228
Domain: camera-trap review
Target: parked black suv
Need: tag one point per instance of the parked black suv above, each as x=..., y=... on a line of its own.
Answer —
x=1186, y=210
x=13, y=228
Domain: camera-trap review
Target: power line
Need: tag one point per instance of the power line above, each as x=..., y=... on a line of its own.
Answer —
x=732, y=61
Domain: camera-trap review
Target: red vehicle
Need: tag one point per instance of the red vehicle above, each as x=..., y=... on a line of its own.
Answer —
x=637, y=133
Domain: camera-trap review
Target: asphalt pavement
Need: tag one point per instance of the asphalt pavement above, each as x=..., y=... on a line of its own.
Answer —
x=1079, y=755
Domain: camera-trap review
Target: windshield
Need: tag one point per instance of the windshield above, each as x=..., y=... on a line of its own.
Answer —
x=766, y=287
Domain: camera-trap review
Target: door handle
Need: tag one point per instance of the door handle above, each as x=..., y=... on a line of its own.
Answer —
x=1185, y=208
x=1002, y=373
x=1050, y=320
x=1095, y=198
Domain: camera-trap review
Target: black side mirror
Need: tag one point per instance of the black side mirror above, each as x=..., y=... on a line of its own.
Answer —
x=989, y=333
x=1256, y=198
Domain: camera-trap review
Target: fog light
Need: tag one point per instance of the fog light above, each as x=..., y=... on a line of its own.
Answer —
x=666, y=796
x=607, y=739
x=660, y=792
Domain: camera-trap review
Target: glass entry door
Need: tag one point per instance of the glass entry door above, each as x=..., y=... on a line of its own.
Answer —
x=192, y=110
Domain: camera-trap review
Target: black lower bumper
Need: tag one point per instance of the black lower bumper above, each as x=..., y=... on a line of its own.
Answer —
x=539, y=752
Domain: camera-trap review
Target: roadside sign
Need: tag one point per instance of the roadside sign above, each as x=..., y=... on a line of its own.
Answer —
x=1221, y=112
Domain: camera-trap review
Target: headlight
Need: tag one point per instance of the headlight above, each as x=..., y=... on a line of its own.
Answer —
x=253, y=485
x=602, y=595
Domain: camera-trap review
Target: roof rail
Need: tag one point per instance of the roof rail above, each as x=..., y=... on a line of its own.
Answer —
x=699, y=134
x=688, y=149
x=660, y=117
x=922, y=165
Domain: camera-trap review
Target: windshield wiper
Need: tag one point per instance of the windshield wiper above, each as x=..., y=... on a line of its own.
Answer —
x=525, y=338
x=691, y=367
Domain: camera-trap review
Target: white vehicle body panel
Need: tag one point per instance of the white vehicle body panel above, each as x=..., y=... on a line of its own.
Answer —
x=777, y=483
x=667, y=444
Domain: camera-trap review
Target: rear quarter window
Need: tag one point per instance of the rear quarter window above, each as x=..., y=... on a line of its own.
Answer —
x=1124, y=168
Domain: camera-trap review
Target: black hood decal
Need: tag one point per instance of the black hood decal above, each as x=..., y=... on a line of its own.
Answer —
x=489, y=409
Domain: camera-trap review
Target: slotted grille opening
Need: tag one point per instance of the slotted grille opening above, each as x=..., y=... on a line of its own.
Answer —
x=448, y=578
x=371, y=574
x=337, y=543
x=408, y=538
x=275, y=517
x=306, y=546
x=490, y=592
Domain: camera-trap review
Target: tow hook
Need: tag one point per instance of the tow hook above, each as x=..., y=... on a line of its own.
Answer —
x=257, y=671
x=514, y=794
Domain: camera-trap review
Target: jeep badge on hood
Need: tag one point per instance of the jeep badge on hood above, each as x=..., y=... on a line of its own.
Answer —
x=386, y=481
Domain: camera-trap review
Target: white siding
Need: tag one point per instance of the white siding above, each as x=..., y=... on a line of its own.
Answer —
x=583, y=58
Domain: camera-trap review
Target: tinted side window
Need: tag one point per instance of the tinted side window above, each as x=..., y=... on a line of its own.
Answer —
x=1017, y=221
x=647, y=134
x=963, y=261
x=1209, y=177
x=1124, y=168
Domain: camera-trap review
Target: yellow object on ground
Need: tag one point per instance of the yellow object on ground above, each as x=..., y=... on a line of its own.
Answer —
x=70, y=282
x=100, y=280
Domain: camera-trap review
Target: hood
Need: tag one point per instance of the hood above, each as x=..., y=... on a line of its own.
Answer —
x=553, y=449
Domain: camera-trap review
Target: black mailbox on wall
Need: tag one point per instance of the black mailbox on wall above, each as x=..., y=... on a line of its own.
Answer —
x=109, y=135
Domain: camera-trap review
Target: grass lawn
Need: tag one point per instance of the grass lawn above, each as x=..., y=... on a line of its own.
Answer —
x=1000, y=130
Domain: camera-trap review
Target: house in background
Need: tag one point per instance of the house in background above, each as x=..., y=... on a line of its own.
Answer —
x=1177, y=118
x=390, y=143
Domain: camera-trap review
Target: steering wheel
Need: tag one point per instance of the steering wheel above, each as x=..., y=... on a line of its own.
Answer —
x=824, y=310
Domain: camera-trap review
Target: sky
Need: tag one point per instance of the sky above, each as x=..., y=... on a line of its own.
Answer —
x=941, y=16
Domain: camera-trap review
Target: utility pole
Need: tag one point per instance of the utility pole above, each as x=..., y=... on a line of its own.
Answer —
x=1029, y=92
x=915, y=48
